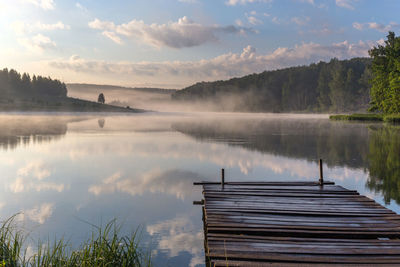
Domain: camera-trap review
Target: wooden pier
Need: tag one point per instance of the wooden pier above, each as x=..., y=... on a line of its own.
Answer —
x=296, y=224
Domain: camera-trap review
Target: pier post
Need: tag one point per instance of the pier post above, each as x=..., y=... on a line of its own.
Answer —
x=223, y=178
x=321, y=174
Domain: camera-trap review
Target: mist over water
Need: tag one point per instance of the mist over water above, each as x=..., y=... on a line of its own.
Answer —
x=161, y=100
x=62, y=171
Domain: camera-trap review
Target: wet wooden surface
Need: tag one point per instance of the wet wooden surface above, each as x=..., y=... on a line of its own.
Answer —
x=296, y=224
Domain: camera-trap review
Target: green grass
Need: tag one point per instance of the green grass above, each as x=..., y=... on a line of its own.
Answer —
x=105, y=248
x=357, y=117
x=392, y=118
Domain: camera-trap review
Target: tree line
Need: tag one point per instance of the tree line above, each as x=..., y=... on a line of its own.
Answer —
x=335, y=86
x=385, y=91
x=13, y=85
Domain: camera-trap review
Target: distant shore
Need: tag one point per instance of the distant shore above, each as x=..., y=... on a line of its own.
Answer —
x=63, y=104
x=392, y=118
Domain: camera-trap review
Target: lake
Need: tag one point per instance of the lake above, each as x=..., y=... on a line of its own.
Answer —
x=64, y=172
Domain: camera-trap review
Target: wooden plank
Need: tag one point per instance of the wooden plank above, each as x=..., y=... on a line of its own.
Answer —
x=360, y=199
x=283, y=194
x=338, y=233
x=224, y=263
x=304, y=224
x=302, y=227
x=278, y=243
x=277, y=189
x=300, y=218
x=300, y=240
x=282, y=191
x=302, y=212
x=293, y=201
x=228, y=187
x=311, y=250
x=360, y=209
x=266, y=183
x=305, y=258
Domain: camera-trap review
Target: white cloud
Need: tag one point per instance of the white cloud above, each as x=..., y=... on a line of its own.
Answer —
x=21, y=27
x=40, y=213
x=239, y=22
x=179, y=235
x=221, y=67
x=37, y=43
x=375, y=26
x=179, y=34
x=300, y=21
x=349, y=4
x=275, y=20
x=31, y=176
x=188, y=1
x=112, y=36
x=45, y=4
x=253, y=20
x=174, y=182
x=311, y=2
x=36, y=168
x=244, y=2
x=81, y=7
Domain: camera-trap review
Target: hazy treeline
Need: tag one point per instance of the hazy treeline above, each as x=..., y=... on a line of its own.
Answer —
x=339, y=85
x=13, y=85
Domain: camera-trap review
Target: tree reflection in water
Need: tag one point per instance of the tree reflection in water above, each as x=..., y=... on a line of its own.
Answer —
x=384, y=162
x=372, y=147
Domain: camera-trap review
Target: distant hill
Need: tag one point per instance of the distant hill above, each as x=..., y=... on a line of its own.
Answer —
x=85, y=86
x=335, y=86
x=144, y=98
x=23, y=93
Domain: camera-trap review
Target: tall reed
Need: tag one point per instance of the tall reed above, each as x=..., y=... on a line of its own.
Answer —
x=105, y=247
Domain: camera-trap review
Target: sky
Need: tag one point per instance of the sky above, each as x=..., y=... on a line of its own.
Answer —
x=175, y=43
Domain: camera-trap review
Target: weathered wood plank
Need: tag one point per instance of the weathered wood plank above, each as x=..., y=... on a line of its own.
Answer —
x=300, y=240
x=360, y=209
x=300, y=218
x=306, y=258
x=223, y=263
x=298, y=212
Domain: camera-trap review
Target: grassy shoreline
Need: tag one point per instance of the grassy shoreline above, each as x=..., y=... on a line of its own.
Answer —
x=106, y=247
x=62, y=104
x=391, y=118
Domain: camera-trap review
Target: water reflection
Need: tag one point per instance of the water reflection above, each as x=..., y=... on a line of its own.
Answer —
x=18, y=130
x=374, y=148
x=101, y=122
x=384, y=162
x=179, y=235
x=340, y=144
x=178, y=183
x=141, y=168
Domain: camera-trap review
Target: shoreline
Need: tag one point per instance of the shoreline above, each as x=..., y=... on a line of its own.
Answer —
x=69, y=105
x=389, y=118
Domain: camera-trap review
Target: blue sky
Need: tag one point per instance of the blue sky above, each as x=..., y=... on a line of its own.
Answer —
x=174, y=43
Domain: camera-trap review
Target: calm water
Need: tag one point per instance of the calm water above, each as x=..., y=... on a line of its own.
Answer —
x=64, y=172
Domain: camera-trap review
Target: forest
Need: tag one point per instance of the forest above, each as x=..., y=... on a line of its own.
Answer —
x=13, y=86
x=335, y=86
x=385, y=90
